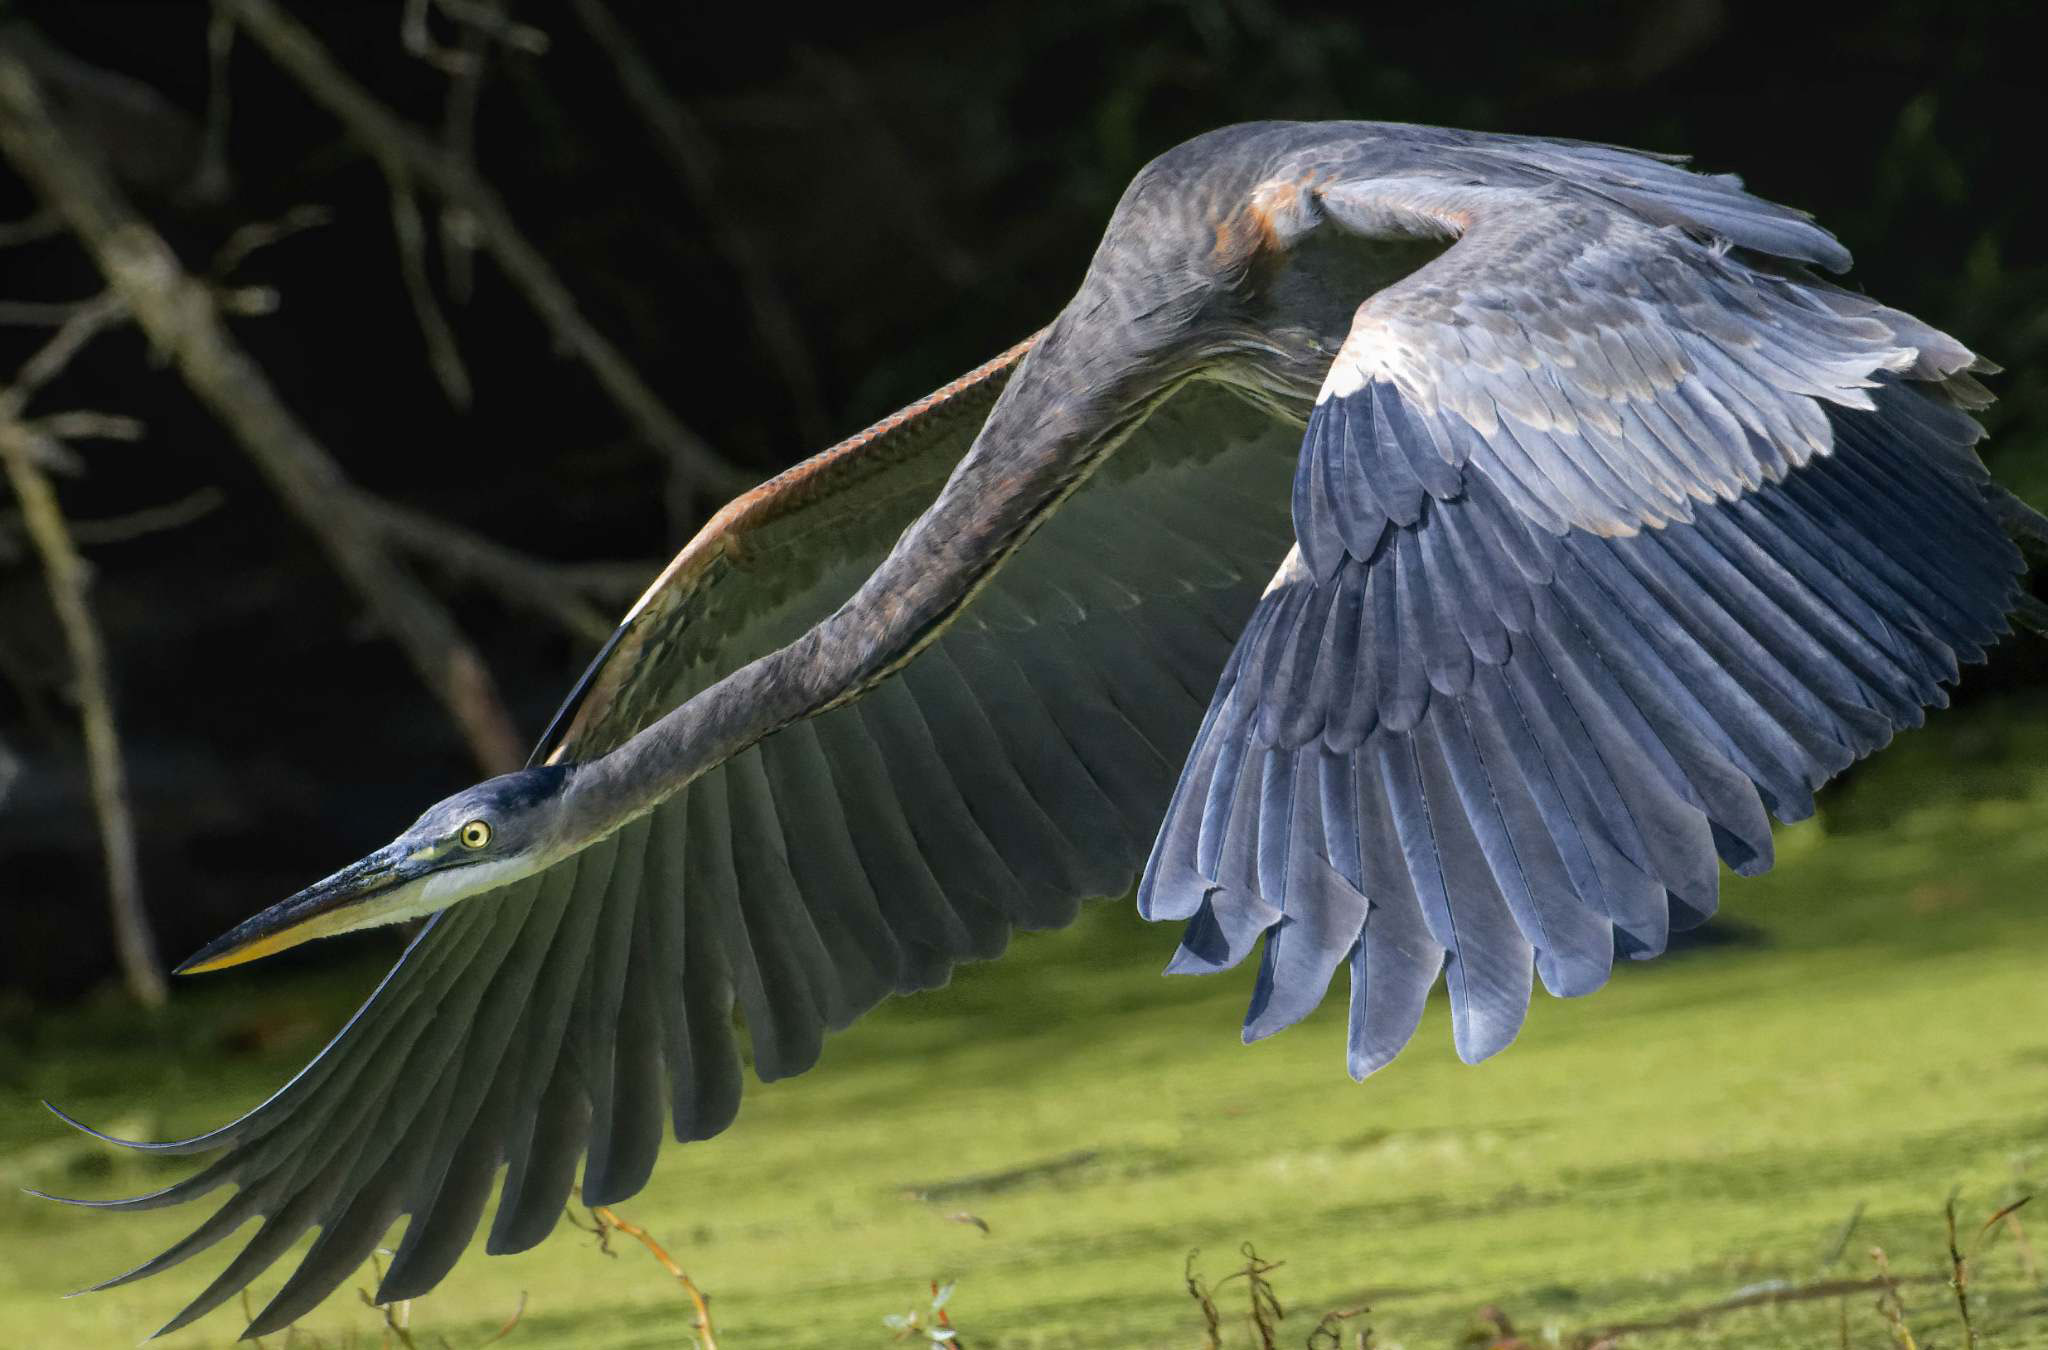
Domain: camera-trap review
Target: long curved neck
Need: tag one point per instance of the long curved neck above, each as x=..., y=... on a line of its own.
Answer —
x=1063, y=410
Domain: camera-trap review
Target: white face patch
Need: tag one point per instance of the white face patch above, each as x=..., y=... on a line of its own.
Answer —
x=431, y=893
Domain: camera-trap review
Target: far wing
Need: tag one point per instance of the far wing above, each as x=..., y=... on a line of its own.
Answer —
x=1611, y=537
x=1017, y=766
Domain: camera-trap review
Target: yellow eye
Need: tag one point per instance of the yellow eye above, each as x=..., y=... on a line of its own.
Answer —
x=476, y=834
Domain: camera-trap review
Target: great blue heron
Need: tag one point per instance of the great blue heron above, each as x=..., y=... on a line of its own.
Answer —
x=1613, y=527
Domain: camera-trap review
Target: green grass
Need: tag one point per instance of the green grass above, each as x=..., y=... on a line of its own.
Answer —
x=1874, y=1035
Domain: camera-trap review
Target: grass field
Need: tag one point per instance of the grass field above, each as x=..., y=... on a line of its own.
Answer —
x=1867, y=1035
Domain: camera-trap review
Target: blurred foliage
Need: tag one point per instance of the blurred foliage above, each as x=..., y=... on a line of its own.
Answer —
x=921, y=185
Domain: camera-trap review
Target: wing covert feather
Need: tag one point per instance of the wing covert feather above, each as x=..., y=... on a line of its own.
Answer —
x=1612, y=540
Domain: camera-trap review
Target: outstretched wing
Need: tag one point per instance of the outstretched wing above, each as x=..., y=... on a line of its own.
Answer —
x=1020, y=764
x=1611, y=537
x=1600, y=537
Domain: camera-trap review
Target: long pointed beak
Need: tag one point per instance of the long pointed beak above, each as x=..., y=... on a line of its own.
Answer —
x=347, y=900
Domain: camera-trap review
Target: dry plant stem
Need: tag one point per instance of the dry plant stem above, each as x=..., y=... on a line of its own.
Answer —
x=2030, y=1263
x=633, y=1230
x=181, y=318
x=1889, y=1304
x=505, y=1329
x=134, y=943
x=1959, y=1279
x=427, y=165
x=1198, y=1290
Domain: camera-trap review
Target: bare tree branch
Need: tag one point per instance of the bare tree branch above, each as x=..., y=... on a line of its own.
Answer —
x=563, y=594
x=39, y=225
x=87, y=320
x=69, y=581
x=180, y=316
x=690, y=154
x=38, y=313
x=392, y=141
x=443, y=355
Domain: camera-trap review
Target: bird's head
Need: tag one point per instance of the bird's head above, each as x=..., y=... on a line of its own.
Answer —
x=477, y=840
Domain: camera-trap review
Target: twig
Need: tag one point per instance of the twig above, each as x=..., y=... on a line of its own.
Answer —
x=150, y=520
x=557, y=592
x=38, y=313
x=249, y=1316
x=38, y=225
x=210, y=174
x=2030, y=1263
x=386, y=136
x=1959, y=1279
x=479, y=19
x=26, y=449
x=1842, y=1235
x=443, y=355
x=397, y=1314
x=668, y=1262
x=181, y=317
x=88, y=320
x=83, y=424
x=134, y=943
x=490, y=21
x=458, y=140
x=1328, y=1333
x=1889, y=1304
x=1266, y=1312
x=418, y=38
x=690, y=154
x=135, y=524
x=263, y=233
x=506, y=1330
x=1198, y=1290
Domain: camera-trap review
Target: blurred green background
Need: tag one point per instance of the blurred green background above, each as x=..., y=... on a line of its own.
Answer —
x=878, y=200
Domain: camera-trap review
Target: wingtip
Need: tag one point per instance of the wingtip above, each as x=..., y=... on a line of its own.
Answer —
x=75, y=1123
x=62, y=1200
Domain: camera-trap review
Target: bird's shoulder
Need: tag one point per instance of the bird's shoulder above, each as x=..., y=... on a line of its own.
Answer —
x=768, y=547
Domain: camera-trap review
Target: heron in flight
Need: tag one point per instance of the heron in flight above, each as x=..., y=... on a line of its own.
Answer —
x=1416, y=551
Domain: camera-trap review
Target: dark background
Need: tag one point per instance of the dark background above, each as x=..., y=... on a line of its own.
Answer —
x=922, y=186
